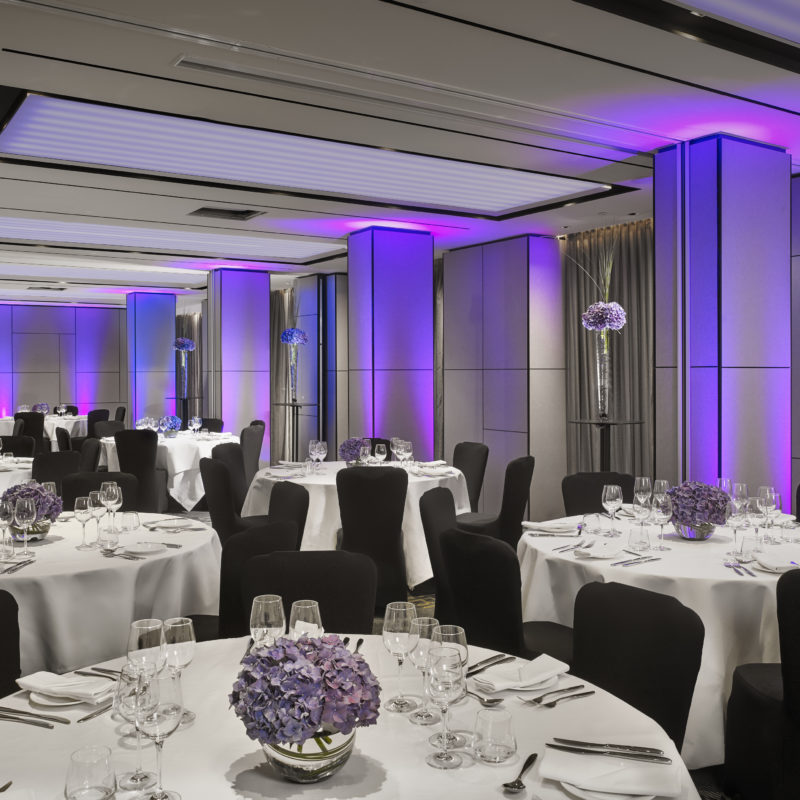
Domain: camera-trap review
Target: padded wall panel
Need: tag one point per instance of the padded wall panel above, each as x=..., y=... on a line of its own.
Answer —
x=97, y=344
x=462, y=313
x=44, y=319
x=548, y=436
x=463, y=408
x=505, y=399
x=36, y=352
x=403, y=408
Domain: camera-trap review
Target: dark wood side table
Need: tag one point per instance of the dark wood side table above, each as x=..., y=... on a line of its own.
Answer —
x=604, y=425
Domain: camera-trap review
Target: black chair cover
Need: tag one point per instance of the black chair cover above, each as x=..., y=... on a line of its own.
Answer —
x=9, y=644
x=288, y=502
x=213, y=424
x=471, y=458
x=33, y=426
x=258, y=422
x=90, y=455
x=72, y=410
x=344, y=585
x=437, y=508
x=103, y=428
x=251, y=439
x=55, y=466
x=94, y=416
x=119, y=414
x=371, y=503
x=20, y=446
x=63, y=439
x=136, y=451
x=230, y=453
x=19, y=426
x=641, y=646
x=583, y=491
x=79, y=484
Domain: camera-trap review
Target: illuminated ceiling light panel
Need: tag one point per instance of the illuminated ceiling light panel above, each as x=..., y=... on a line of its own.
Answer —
x=68, y=130
x=260, y=248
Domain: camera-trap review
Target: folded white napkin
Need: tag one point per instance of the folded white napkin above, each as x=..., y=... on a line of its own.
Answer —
x=552, y=527
x=776, y=562
x=435, y=472
x=520, y=674
x=438, y=463
x=602, y=548
x=615, y=775
x=74, y=687
x=290, y=464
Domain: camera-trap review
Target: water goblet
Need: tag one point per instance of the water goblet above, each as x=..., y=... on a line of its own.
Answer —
x=322, y=450
x=24, y=517
x=393, y=444
x=737, y=519
x=423, y=627
x=660, y=487
x=313, y=444
x=50, y=486
x=98, y=509
x=452, y=636
x=179, y=645
x=661, y=514
x=774, y=516
x=125, y=705
x=112, y=499
x=146, y=646
x=612, y=500
x=90, y=774
x=83, y=513
x=399, y=640
x=494, y=736
x=755, y=514
x=641, y=488
x=267, y=620
x=446, y=684
x=305, y=619
x=364, y=455
x=638, y=539
x=766, y=504
x=726, y=485
x=380, y=453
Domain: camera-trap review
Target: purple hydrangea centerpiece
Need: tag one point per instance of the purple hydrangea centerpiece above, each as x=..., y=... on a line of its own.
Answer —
x=350, y=449
x=293, y=691
x=183, y=345
x=698, y=506
x=602, y=316
x=294, y=336
x=173, y=423
x=42, y=408
x=48, y=505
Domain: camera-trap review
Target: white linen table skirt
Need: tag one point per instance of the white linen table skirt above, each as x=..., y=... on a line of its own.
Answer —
x=20, y=473
x=75, y=426
x=324, y=523
x=739, y=613
x=75, y=606
x=180, y=457
x=213, y=758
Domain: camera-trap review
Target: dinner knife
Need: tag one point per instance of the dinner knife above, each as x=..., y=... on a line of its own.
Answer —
x=634, y=748
x=26, y=721
x=34, y=714
x=17, y=567
x=487, y=661
x=96, y=713
x=478, y=670
x=589, y=751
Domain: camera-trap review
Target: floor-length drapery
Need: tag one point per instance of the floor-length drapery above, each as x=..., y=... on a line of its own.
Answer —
x=281, y=304
x=631, y=349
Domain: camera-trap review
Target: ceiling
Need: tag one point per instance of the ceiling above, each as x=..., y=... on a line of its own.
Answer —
x=537, y=87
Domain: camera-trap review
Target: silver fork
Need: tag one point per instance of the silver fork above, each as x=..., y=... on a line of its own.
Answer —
x=567, y=547
x=535, y=701
x=554, y=703
x=734, y=566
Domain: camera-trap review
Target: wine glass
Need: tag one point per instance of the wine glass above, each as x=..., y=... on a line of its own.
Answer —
x=6, y=518
x=322, y=450
x=125, y=704
x=305, y=619
x=267, y=620
x=660, y=486
x=446, y=683
x=112, y=499
x=452, y=636
x=313, y=446
x=394, y=442
x=422, y=628
x=25, y=516
x=661, y=512
x=364, y=455
x=766, y=504
x=50, y=486
x=726, y=485
x=408, y=451
x=642, y=508
x=774, y=515
x=83, y=513
x=180, y=640
x=98, y=508
x=737, y=519
x=755, y=513
x=380, y=452
x=146, y=646
x=163, y=424
x=641, y=488
x=612, y=500
x=159, y=709
x=400, y=641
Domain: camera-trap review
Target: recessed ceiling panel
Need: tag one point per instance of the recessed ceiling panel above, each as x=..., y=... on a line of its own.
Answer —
x=68, y=130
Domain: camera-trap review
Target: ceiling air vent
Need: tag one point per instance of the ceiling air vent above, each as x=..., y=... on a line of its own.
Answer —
x=230, y=214
x=46, y=288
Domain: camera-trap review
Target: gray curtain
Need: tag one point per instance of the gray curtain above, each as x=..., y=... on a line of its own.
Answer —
x=438, y=359
x=631, y=348
x=281, y=305
x=189, y=326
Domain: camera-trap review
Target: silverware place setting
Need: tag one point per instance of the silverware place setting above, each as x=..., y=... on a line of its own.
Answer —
x=16, y=567
x=535, y=701
x=127, y=556
x=486, y=702
x=517, y=785
x=34, y=715
x=553, y=703
x=37, y=723
x=631, y=755
x=97, y=712
x=739, y=569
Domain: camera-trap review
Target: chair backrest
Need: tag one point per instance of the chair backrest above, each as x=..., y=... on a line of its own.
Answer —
x=79, y=484
x=63, y=439
x=583, y=491
x=371, y=503
x=213, y=424
x=234, y=616
x=251, y=439
x=471, y=458
x=136, y=451
x=9, y=644
x=119, y=414
x=19, y=427
x=94, y=416
x=109, y=427
x=788, y=592
x=219, y=497
x=230, y=453
x=642, y=646
x=20, y=446
x=288, y=502
x=258, y=422
x=72, y=410
x=479, y=568
x=33, y=426
x=375, y=441
x=90, y=455
x=55, y=466
x=516, y=492
x=344, y=585
x=437, y=508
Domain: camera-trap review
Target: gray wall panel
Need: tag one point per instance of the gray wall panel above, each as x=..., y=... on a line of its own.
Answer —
x=547, y=346
x=462, y=314
x=666, y=428
x=44, y=319
x=6, y=349
x=359, y=403
x=401, y=408
x=463, y=408
x=36, y=352
x=667, y=238
x=35, y=387
x=548, y=434
x=505, y=399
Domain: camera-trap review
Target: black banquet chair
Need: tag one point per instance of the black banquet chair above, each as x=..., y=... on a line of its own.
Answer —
x=90, y=455
x=487, y=591
x=119, y=414
x=63, y=439
x=344, y=584
x=213, y=424
x=437, y=509
x=79, y=484
x=251, y=439
x=9, y=644
x=471, y=458
x=288, y=502
x=55, y=466
x=33, y=426
x=109, y=427
x=72, y=410
x=583, y=491
x=762, y=728
x=642, y=646
x=19, y=446
x=230, y=454
x=92, y=418
x=371, y=503
x=136, y=451
x=233, y=619
x=507, y=525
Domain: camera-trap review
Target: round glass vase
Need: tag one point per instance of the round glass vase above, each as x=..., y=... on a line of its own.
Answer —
x=314, y=760
x=603, y=377
x=170, y=434
x=698, y=532
x=37, y=531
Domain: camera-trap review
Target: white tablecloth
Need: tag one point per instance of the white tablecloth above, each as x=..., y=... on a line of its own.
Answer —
x=739, y=613
x=12, y=474
x=323, y=522
x=75, y=606
x=180, y=457
x=76, y=426
x=213, y=758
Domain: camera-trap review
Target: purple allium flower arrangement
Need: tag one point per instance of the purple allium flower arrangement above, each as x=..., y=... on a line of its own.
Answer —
x=48, y=505
x=695, y=504
x=42, y=408
x=294, y=691
x=183, y=344
x=294, y=336
x=604, y=316
x=350, y=449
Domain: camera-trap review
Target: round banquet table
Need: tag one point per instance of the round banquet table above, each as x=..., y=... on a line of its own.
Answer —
x=739, y=613
x=214, y=758
x=180, y=457
x=14, y=471
x=74, y=425
x=323, y=522
x=75, y=606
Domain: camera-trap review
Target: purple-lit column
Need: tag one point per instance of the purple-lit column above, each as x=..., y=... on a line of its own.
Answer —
x=723, y=312
x=151, y=358
x=238, y=347
x=390, y=337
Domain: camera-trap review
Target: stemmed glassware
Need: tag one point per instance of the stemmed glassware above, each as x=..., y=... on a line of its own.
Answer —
x=25, y=516
x=313, y=446
x=305, y=619
x=380, y=453
x=661, y=514
x=83, y=513
x=98, y=509
x=738, y=517
x=400, y=640
x=6, y=518
x=612, y=500
x=641, y=489
x=393, y=445
x=180, y=641
x=112, y=500
x=766, y=505
x=422, y=628
x=726, y=485
x=125, y=704
x=446, y=683
x=452, y=636
x=146, y=646
x=194, y=424
x=267, y=620
x=642, y=508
